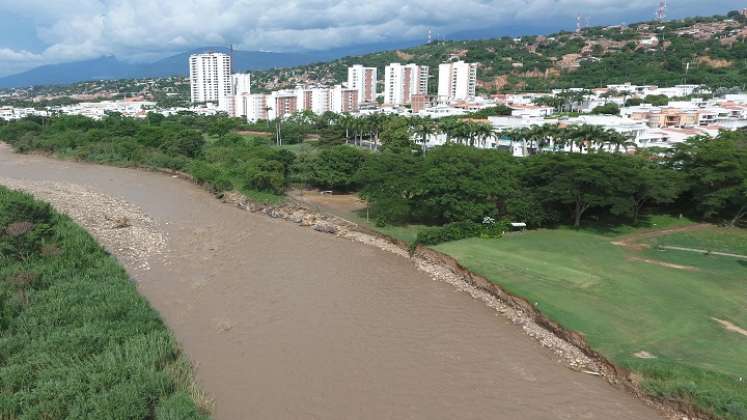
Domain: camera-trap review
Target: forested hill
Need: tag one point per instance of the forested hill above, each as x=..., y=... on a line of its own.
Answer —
x=703, y=50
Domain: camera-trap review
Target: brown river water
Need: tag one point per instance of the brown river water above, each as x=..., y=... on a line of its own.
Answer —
x=284, y=322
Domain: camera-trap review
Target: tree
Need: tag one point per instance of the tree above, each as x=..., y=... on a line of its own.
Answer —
x=646, y=182
x=184, y=142
x=716, y=171
x=656, y=100
x=633, y=102
x=390, y=181
x=575, y=182
x=498, y=110
x=423, y=127
x=482, y=133
x=292, y=132
x=610, y=108
x=460, y=183
x=331, y=136
x=335, y=168
x=395, y=136
x=449, y=127
x=221, y=125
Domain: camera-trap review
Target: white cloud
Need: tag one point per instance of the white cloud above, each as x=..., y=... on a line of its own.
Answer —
x=79, y=29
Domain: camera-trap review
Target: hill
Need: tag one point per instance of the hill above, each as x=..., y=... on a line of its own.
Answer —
x=703, y=50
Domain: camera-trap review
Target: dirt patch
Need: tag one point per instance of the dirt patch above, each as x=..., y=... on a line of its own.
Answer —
x=663, y=264
x=731, y=327
x=342, y=205
x=403, y=55
x=715, y=63
x=254, y=133
x=644, y=355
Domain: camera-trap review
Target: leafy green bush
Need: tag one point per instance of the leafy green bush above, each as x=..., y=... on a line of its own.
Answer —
x=211, y=175
x=264, y=175
x=451, y=232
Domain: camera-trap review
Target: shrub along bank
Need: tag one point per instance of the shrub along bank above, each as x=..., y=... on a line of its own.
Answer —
x=76, y=339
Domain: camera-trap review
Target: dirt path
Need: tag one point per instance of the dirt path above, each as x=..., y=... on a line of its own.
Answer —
x=285, y=322
x=729, y=326
x=632, y=241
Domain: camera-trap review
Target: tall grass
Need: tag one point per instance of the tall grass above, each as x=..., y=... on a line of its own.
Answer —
x=76, y=339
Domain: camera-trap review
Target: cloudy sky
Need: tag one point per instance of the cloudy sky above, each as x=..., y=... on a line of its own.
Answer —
x=36, y=32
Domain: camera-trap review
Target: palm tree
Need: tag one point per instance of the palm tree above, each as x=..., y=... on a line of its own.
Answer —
x=482, y=133
x=423, y=127
x=375, y=126
x=462, y=132
x=449, y=126
x=346, y=121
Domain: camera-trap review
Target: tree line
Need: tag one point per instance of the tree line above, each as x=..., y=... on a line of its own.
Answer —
x=383, y=159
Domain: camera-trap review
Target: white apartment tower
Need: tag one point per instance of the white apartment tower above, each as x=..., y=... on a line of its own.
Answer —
x=457, y=81
x=402, y=82
x=241, y=83
x=363, y=79
x=240, y=90
x=210, y=79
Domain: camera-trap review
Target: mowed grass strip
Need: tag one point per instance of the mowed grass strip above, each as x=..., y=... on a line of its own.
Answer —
x=624, y=305
x=76, y=339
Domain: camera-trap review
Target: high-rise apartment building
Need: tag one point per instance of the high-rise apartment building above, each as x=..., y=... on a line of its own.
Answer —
x=344, y=100
x=241, y=83
x=258, y=106
x=402, y=82
x=283, y=103
x=210, y=79
x=457, y=81
x=363, y=79
x=240, y=90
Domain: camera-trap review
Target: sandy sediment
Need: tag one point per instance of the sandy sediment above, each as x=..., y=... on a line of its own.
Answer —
x=123, y=229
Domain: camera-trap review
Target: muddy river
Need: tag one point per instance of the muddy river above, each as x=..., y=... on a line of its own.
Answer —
x=284, y=322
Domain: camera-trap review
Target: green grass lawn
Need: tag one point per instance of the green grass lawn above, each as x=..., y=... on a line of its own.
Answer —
x=406, y=233
x=648, y=222
x=76, y=338
x=719, y=239
x=622, y=306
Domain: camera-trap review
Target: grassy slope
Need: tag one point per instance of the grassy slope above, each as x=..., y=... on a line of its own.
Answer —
x=587, y=284
x=79, y=341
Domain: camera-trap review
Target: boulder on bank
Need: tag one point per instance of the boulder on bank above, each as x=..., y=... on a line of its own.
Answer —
x=325, y=227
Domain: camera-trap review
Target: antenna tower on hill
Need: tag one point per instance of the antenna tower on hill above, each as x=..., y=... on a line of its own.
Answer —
x=661, y=12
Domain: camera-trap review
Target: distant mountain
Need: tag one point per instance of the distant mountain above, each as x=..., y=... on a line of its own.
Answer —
x=60, y=74
x=110, y=68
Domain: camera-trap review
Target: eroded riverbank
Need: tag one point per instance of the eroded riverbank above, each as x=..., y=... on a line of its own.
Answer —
x=284, y=322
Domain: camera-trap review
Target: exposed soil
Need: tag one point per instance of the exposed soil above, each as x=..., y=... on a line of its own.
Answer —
x=287, y=322
x=663, y=264
x=644, y=355
x=731, y=327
